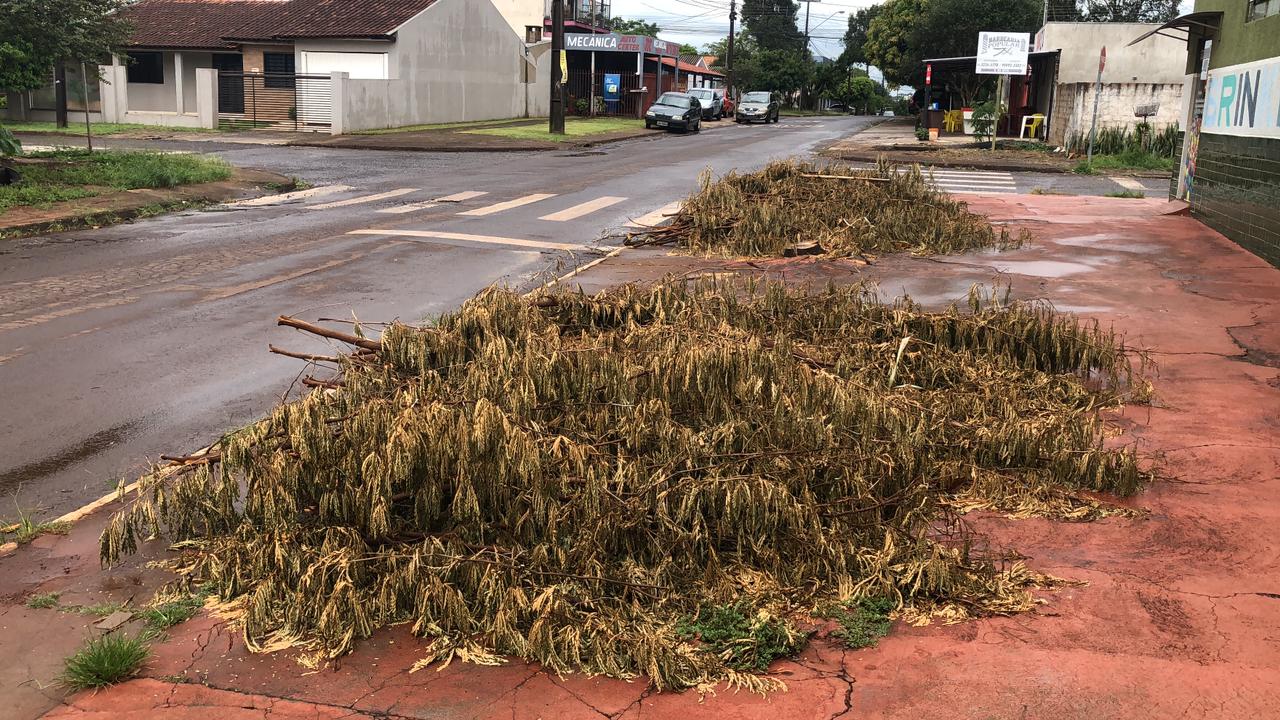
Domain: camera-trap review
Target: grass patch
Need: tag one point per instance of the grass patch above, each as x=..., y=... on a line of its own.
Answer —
x=43, y=601
x=164, y=615
x=26, y=528
x=451, y=126
x=104, y=661
x=1133, y=159
x=574, y=128
x=101, y=610
x=99, y=129
x=74, y=174
x=862, y=622
x=746, y=639
x=1130, y=194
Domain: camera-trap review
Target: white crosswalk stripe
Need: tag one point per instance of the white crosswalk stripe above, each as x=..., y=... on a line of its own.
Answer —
x=363, y=199
x=657, y=217
x=507, y=205
x=289, y=196
x=972, y=181
x=462, y=196
x=581, y=209
x=409, y=207
x=468, y=238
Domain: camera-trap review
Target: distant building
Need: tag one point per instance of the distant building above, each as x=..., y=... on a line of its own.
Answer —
x=1229, y=169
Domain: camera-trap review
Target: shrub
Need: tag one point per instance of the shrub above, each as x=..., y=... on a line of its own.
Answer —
x=748, y=639
x=104, y=661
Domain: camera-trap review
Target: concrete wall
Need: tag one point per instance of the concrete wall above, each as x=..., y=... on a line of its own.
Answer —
x=1073, y=106
x=151, y=97
x=521, y=13
x=1238, y=41
x=459, y=60
x=1157, y=60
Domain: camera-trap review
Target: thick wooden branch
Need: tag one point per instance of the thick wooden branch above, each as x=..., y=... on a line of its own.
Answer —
x=347, y=338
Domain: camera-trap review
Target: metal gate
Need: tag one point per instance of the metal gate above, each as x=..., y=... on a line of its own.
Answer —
x=274, y=101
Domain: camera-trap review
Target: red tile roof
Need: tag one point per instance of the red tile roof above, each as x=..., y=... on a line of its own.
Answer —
x=686, y=67
x=217, y=24
x=192, y=23
x=332, y=19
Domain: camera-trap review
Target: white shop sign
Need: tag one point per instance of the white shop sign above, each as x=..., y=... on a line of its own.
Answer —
x=1002, y=53
x=1244, y=100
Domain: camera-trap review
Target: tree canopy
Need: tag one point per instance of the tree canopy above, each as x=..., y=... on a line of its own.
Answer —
x=889, y=37
x=633, y=27
x=773, y=24
x=37, y=34
x=1143, y=11
x=855, y=37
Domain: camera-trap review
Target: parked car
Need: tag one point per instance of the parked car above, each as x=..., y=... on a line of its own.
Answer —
x=759, y=105
x=675, y=110
x=712, y=102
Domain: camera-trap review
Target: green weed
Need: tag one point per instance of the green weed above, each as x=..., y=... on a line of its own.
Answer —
x=167, y=614
x=747, y=639
x=862, y=622
x=104, y=661
x=98, y=609
x=26, y=529
x=43, y=601
x=1131, y=194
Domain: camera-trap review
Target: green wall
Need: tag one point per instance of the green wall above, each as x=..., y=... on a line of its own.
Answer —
x=1239, y=41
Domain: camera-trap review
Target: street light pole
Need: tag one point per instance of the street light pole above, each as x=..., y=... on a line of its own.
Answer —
x=728, y=61
x=557, y=63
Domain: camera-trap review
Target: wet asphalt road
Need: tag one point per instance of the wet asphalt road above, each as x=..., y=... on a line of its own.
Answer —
x=119, y=344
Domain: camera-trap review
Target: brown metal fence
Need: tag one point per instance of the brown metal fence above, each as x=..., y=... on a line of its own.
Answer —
x=578, y=88
x=275, y=101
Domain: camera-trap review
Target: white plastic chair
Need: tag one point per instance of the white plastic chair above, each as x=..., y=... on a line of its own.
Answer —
x=1032, y=123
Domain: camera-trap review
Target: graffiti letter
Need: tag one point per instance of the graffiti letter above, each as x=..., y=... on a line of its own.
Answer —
x=1225, y=97
x=1247, y=108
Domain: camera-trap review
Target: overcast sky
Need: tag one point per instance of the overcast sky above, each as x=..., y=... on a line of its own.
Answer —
x=699, y=22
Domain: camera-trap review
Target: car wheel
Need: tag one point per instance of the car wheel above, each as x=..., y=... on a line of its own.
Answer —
x=648, y=125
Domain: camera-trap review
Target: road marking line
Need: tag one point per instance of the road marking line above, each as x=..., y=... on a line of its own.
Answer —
x=289, y=196
x=499, y=207
x=585, y=208
x=410, y=207
x=965, y=183
x=655, y=218
x=1129, y=183
x=466, y=237
x=460, y=196
x=363, y=199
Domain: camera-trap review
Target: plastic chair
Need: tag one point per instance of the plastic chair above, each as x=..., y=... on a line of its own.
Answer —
x=1032, y=123
x=953, y=120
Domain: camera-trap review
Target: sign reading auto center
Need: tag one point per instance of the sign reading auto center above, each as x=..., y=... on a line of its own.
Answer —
x=620, y=43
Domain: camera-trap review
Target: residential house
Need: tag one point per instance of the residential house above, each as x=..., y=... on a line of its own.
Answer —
x=325, y=64
x=1229, y=168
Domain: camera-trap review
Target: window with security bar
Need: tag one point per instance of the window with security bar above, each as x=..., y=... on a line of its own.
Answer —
x=279, y=69
x=1259, y=9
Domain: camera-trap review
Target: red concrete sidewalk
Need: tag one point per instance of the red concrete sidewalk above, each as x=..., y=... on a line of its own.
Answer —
x=1180, y=614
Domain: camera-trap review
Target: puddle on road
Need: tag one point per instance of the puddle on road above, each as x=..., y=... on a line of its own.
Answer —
x=1042, y=268
x=12, y=480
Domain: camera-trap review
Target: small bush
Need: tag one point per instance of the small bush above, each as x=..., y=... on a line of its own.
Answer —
x=104, y=661
x=922, y=133
x=9, y=145
x=43, y=601
x=167, y=614
x=1130, y=194
x=863, y=622
x=747, y=639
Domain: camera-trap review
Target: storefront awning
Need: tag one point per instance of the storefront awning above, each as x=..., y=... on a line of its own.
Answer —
x=1207, y=20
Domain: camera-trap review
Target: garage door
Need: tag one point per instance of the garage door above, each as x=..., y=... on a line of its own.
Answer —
x=360, y=66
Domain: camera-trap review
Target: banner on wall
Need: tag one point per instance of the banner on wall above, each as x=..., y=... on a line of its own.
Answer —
x=1244, y=100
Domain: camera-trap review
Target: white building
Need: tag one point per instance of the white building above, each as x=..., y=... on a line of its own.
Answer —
x=321, y=65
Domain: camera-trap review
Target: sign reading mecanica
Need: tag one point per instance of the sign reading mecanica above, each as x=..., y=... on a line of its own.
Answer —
x=618, y=43
x=1002, y=53
x=1244, y=100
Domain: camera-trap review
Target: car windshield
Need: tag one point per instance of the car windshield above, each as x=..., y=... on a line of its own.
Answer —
x=702, y=94
x=674, y=100
x=760, y=97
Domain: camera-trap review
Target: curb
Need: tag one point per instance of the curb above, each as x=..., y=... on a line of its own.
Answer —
x=994, y=165
x=184, y=197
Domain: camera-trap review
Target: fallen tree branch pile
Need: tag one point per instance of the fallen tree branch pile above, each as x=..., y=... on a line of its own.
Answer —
x=568, y=478
x=792, y=205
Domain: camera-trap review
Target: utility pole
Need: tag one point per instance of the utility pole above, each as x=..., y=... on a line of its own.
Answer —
x=60, y=94
x=728, y=61
x=804, y=51
x=557, y=58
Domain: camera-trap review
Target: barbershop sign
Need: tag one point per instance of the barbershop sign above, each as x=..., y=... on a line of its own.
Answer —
x=1002, y=53
x=619, y=43
x=1244, y=100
